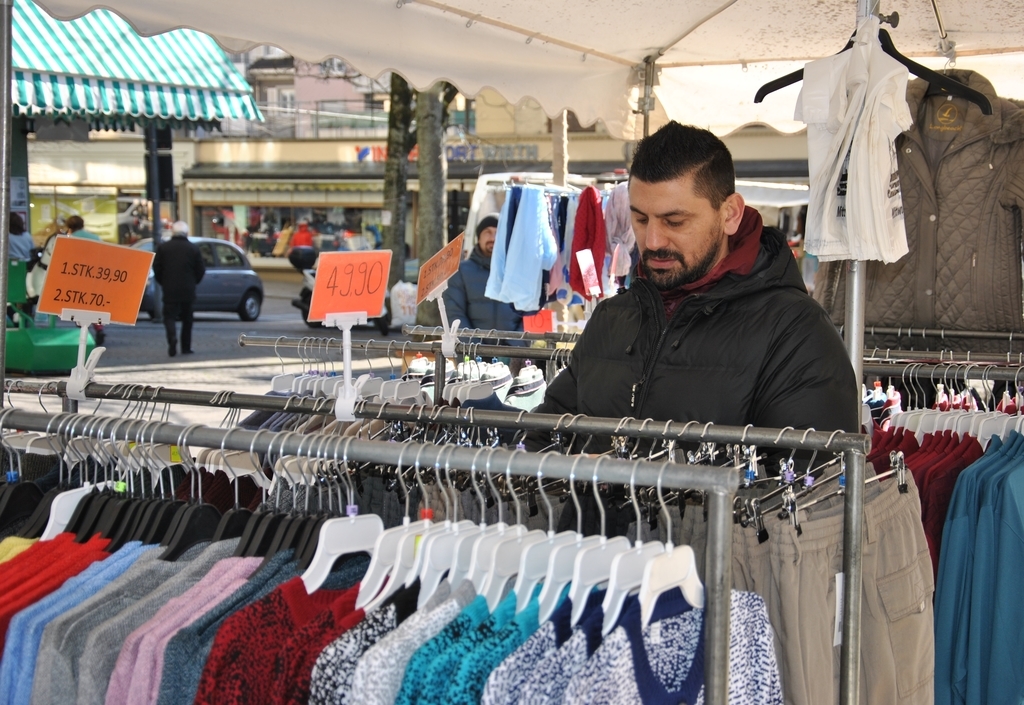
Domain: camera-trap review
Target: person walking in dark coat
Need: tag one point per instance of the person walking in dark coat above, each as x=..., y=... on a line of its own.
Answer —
x=178, y=267
x=717, y=325
x=464, y=298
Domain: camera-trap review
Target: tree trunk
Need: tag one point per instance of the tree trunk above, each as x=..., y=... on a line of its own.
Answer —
x=431, y=226
x=396, y=174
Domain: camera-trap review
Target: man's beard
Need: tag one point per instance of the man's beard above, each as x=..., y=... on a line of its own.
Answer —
x=667, y=280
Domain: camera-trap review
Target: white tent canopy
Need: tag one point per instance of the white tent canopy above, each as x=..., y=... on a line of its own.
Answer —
x=585, y=56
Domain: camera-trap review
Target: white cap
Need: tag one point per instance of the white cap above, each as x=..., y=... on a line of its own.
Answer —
x=180, y=227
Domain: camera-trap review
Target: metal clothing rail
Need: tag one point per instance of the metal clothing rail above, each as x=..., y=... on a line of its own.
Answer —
x=492, y=334
x=634, y=428
x=720, y=484
x=942, y=356
x=956, y=370
x=942, y=333
x=320, y=348
x=314, y=347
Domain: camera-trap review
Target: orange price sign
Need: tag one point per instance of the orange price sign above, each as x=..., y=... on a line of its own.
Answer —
x=87, y=275
x=439, y=269
x=350, y=282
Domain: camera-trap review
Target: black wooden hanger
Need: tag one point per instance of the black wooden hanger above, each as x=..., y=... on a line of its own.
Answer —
x=937, y=81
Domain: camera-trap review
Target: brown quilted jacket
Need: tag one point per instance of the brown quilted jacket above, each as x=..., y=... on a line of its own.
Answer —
x=963, y=226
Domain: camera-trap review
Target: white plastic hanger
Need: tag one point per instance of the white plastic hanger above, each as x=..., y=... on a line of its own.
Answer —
x=444, y=528
x=351, y=534
x=386, y=551
x=562, y=561
x=627, y=571
x=483, y=550
x=593, y=565
x=465, y=545
x=438, y=552
x=406, y=554
x=507, y=554
x=533, y=563
x=675, y=568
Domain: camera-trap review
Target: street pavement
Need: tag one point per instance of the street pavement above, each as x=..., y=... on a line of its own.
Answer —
x=138, y=355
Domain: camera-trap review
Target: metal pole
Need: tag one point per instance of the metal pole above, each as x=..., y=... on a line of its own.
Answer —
x=648, y=103
x=856, y=287
x=153, y=157
x=560, y=149
x=717, y=588
x=282, y=344
x=494, y=334
x=938, y=373
x=724, y=480
x=6, y=125
x=633, y=428
x=853, y=539
x=853, y=512
x=942, y=356
x=943, y=333
x=69, y=406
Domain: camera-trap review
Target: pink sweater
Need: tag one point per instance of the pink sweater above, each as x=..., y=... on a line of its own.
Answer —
x=136, y=677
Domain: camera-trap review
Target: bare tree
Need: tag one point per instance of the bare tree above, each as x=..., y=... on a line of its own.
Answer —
x=431, y=224
x=401, y=140
x=431, y=230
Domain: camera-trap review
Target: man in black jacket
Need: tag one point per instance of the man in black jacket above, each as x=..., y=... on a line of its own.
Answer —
x=178, y=267
x=717, y=325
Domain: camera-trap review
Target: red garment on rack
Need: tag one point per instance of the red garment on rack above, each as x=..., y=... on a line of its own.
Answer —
x=295, y=672
x=936, y=491
x=38, y=573
x=241, y=665
x=588, y=234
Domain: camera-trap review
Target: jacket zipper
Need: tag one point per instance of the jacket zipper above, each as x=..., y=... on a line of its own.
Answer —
x=635, y=403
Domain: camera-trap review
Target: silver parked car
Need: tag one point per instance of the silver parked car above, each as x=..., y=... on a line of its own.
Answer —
x=230, y=284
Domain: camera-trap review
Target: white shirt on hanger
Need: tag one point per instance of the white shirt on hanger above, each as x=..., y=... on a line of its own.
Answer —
x=855, y=106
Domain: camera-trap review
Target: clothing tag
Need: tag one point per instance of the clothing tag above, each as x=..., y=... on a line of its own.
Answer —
x=947, y=117
x=175, y=454
x=589, y=272
x=837, y=636
x=656, y=634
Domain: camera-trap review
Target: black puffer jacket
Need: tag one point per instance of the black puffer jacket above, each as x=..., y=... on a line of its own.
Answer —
x=752, y=350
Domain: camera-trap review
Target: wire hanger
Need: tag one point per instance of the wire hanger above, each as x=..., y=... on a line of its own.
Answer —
x=937, y=81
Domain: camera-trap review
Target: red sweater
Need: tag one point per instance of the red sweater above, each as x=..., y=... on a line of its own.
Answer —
x=42, y=572
x=588, y=234
x=294, y=665
x=240, y=667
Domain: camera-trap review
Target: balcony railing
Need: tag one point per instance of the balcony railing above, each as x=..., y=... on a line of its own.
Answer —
x=321, y=120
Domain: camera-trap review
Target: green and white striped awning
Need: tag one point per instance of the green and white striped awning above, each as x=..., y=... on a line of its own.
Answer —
x=98, y=69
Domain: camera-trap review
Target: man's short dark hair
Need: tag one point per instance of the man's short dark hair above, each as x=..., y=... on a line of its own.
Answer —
x=678, y=150
x=74, y=223
x=16, y=225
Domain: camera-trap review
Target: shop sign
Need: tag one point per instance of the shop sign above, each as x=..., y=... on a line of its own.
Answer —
x=492, y=153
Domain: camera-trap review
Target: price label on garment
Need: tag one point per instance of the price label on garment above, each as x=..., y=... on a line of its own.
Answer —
x=87, y=275
x=350, y=282
x=590, y=277
x=439, y=269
